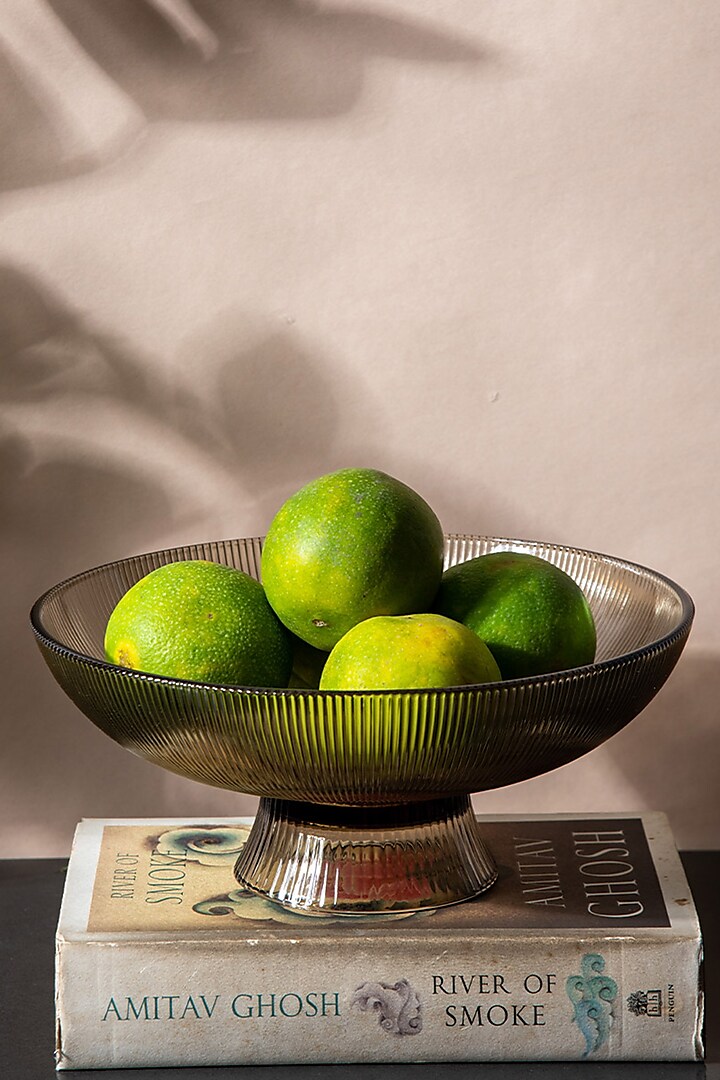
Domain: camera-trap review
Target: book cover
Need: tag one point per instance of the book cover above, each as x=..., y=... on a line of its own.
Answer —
x=588, y=948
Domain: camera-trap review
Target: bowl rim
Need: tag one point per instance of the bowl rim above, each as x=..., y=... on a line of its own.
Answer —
x=679, y=631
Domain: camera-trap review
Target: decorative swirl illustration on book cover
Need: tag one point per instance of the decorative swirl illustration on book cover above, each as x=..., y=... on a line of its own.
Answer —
x=592, y=994
x=397, y=1005
x=210, y=846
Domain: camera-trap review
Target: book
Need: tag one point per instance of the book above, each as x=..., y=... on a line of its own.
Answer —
x=587, y=948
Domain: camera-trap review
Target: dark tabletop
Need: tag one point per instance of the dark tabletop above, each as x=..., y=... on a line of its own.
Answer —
x=30, y=893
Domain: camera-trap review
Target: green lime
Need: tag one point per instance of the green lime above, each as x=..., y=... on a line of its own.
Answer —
x=403, y=652
x=532, y=616
x=346, y=547
x=203, y=621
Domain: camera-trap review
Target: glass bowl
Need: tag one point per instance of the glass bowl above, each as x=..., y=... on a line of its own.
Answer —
x=365, y=796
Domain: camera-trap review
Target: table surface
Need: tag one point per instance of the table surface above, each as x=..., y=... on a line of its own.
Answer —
x=30, y=893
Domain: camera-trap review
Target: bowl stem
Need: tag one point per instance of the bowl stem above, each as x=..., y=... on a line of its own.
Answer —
x=339, y=860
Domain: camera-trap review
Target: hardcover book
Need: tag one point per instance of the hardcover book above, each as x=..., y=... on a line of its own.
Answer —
x=588, y=948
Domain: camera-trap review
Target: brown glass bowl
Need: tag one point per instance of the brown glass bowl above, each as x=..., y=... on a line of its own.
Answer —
x=370, y=772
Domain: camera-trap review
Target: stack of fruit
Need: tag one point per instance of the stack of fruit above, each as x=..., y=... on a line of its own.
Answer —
x=353, y=597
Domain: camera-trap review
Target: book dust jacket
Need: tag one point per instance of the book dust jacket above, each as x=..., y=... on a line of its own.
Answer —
x=588, y=948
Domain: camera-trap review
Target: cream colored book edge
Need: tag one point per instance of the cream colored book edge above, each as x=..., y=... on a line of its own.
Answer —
x=587, y=949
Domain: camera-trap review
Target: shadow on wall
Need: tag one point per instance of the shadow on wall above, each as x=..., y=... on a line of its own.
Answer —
x=103, y=449
x=247, y=414
x=288, y=414
x=100, y=451
x=80, y=77
x=94, y=425
x=671, y=752
x=62, y=507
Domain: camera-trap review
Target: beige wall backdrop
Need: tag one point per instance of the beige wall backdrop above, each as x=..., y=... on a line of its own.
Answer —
x=475, y=243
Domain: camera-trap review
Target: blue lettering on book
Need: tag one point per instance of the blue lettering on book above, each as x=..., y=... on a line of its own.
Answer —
x=255, y=1006
x=161, y=1007
x=203, y=1006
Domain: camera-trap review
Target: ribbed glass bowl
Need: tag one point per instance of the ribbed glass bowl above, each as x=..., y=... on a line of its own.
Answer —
x=375, y=777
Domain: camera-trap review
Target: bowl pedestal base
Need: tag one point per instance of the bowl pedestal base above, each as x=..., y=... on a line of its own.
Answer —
x=346, y=860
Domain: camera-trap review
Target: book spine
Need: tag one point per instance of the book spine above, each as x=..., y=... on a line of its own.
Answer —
x=439, y=998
